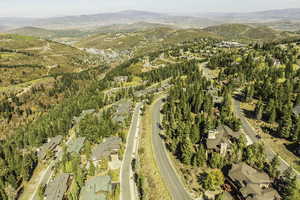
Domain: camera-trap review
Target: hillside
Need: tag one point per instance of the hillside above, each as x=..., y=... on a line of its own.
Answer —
x=246, y=32
x=142, y=41
x=25, y=58
x=47, y=33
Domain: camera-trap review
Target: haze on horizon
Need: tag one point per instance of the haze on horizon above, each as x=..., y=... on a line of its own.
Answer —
x=38, y=8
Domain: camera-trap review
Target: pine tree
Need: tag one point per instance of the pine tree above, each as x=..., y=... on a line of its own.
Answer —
x=195, y=134
x=186, y=150
x=285, y=125
x=200, y=157
x=273, y=167
x=259, y=110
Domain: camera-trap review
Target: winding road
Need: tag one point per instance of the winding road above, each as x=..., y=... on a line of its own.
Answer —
x=168, y=173
x=249, y=130
x=126, y=177
x=251, y=133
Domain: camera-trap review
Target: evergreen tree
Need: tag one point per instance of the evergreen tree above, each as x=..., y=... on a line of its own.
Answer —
x=285, y=125
x=259, y=110
x=186, y=150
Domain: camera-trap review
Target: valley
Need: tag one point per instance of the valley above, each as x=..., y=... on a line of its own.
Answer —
x=154, y=107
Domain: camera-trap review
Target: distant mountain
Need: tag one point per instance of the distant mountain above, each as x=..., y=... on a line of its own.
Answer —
x=276, y=18
x=76, y=33
x=106, y=19
x=292, y=14
x=247, y=32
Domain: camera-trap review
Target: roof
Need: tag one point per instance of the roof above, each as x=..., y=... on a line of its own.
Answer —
x=218, y=136
x=253, y=183
x=258, y=193
x=109, y=146
x=227, y=196
x=267, y=194
x=245, y=174
x=121, y=78
x=56, y=189
x=95, y=188
x=122, y=110
x=49, y=146
x=76, y=144
x=296, y=110
x=215, y=138
x=230, y=132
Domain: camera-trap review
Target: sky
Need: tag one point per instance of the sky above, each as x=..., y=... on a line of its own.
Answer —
x=49, y=8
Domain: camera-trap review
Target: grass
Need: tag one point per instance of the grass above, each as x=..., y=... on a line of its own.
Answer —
x=156, y=188
x=115, y=175
x=29, y=187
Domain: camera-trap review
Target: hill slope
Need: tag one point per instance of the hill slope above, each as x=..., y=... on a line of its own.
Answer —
x=142, y=41
x=25, y=58
x=246, y=32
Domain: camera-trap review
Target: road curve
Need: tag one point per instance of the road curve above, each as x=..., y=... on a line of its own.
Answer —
x=167, y=171
x=250, y=131
x=126, y=181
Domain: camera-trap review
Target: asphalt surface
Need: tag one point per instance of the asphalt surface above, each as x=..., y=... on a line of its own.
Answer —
x=251, y=133
x=167, y=171
x=249, y=130
x=127, y=190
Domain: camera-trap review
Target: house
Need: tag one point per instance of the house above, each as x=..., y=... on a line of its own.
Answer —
x=75, y=145
x=121, y=79
x=122, y=111
x=114, y=162
x=219, y=140
x=51, y=145
x=56, y=189
x=109, y=146
x=96, y=188
x=252, y=184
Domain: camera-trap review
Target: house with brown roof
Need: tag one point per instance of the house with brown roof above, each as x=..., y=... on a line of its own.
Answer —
x=252, y=184
x=219, y=140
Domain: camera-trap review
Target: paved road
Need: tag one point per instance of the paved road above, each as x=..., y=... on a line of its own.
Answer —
x=248, y=129
x=167, y=171
x=251, y=133
x=127, y=184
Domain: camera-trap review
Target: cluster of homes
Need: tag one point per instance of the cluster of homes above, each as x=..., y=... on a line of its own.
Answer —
x=229, y=44
x=249, y=183
x=95, y=188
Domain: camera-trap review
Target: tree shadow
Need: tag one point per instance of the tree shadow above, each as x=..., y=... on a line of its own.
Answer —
x=295, y=149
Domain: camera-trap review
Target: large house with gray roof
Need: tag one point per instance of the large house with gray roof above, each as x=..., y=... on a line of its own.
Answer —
x=105, y=149
x=96, y=188
x=252, y=184
x=75, y=145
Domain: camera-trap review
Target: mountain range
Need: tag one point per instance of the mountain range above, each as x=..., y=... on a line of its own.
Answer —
x=272, y=17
